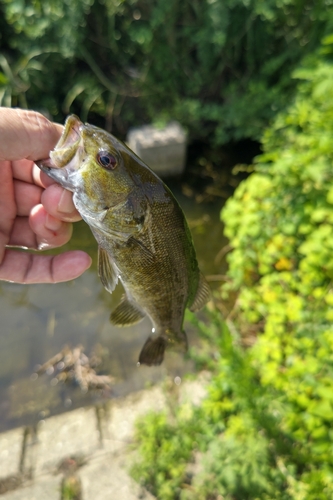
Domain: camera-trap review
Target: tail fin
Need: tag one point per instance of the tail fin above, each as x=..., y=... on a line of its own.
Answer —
x=152, y=353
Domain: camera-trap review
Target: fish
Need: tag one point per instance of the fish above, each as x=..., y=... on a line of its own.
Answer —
x=143, y=238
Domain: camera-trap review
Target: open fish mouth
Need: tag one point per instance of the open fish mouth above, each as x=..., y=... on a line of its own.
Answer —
x=67, y=145
x=63, y=153
x=71, y=134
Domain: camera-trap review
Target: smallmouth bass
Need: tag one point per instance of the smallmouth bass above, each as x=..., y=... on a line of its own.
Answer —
x=142, y=234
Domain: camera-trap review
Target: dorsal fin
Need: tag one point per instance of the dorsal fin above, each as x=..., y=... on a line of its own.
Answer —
x=106, y=272
x=202, y=296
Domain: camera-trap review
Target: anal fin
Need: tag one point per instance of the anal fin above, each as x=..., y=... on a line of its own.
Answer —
x=126, y=313
x=202, y=296
x=106, y=271
x=152, y=353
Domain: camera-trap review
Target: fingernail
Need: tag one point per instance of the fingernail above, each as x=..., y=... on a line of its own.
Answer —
x=65, y=204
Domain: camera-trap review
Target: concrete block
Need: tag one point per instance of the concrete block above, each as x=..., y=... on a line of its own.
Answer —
x=43, y=488
x=72, y=433
x=10, y=452
x=100, y=435
x=163, y=150
x=105, y=479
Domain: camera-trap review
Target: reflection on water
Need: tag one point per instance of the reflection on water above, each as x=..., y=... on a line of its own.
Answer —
x=38, y=320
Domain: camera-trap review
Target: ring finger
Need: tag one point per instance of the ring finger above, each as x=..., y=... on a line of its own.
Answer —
x=39, y=232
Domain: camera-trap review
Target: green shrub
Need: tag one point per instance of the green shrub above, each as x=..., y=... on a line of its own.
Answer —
x=265, y=429
x=166, y=455
x=232, y=438
x=280, y=225
x=220, y=67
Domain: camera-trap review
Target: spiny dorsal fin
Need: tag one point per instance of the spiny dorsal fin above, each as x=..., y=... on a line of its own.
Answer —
x=106, y=271
x=202, y=296
x=126, y=313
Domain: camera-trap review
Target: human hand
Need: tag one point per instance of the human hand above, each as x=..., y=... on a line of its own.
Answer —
x=35, y=212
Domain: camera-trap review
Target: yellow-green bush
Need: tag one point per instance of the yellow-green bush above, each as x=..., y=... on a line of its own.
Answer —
x=265, y=429
x=280, y=223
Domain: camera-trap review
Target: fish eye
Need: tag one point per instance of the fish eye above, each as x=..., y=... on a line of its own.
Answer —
x=106, y=160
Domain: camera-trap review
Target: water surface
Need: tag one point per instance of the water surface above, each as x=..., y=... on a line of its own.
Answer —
x=38, y=320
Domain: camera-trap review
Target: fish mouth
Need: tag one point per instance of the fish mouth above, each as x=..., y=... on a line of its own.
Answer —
x=63, y=153
x=71, y=134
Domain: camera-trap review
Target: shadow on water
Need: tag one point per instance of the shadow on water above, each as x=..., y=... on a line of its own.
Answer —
x=38, y=320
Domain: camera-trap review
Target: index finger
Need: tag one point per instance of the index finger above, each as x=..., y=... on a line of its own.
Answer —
x=27, y=171
x=26, y=134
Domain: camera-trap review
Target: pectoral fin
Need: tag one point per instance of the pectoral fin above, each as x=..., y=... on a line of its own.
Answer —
x=106, y=272
x=126, y=313
x=146, y=254
x=202, y=296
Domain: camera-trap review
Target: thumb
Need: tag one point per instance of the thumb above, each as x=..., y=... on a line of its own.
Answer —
x=26, y=134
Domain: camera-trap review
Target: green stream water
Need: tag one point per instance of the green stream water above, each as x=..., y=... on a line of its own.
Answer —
x=38, y=320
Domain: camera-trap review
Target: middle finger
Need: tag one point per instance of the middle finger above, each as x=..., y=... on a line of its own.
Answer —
x=27, y=171
x=58, y=202
x=26, y=197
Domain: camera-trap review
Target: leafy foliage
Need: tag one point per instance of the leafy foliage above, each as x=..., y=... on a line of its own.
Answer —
x=264, y=430
x=233, y=438
x=238, y=443
x=280, y=224
x=160, y=446
x=221, y=68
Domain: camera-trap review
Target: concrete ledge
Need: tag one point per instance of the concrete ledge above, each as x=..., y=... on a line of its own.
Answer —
x=163, y=150
x=87, y=447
